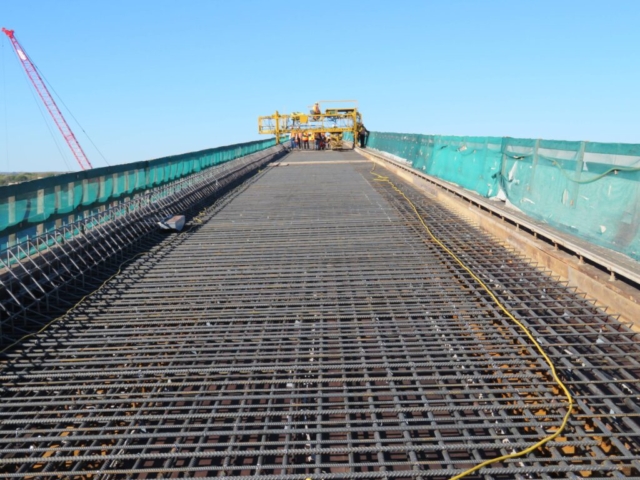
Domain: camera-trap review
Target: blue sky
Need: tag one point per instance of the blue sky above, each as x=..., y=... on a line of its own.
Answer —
x=147, y=79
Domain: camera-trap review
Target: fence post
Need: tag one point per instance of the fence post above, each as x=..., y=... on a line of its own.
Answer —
x=534, y=165
x=575, y=193
x=11, y=210
x=40, y=211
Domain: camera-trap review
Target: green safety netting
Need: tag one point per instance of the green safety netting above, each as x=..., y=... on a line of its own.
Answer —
x=27, y=204
x=588, y=189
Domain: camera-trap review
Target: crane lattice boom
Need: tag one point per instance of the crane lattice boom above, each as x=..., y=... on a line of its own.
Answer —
x=49, y=102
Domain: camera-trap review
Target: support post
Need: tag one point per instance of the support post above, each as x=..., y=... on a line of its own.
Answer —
x=11, y=210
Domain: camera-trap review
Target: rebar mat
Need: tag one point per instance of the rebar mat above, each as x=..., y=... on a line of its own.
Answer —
x=309, y=328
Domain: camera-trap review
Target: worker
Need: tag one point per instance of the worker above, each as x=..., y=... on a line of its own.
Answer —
x=305, y=140
x=363, y=134
x=299, y=139
x=316, y=111
x=317, y=140
x=293, y=140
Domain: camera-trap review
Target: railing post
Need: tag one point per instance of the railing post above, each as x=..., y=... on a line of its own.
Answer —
x=40, y=211
x=11, y=213
x=575, y=187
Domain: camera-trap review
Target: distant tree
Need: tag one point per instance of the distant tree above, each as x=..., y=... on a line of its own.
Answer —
x=24, y=177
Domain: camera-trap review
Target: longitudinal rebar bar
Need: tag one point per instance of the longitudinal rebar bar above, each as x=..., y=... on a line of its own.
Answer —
x=307, y=327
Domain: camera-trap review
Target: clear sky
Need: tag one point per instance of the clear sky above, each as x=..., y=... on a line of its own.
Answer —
x=151, y=78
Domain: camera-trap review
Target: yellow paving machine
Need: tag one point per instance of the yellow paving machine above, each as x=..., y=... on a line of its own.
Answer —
x=334, y=120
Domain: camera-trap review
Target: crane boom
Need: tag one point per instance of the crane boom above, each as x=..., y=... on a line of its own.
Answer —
x=49, y=102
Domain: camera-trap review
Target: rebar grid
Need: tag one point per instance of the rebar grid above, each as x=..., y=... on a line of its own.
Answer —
x=310, y=328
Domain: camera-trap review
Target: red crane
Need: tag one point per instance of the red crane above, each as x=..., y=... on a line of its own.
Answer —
x=49, y=102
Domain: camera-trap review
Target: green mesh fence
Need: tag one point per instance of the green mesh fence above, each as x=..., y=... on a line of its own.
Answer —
x=588, y=189
x=25, y=205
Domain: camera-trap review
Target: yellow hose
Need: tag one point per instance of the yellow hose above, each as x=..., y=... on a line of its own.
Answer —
x=565, y=420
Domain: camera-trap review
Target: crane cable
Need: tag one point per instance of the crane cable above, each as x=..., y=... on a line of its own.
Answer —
x=71, y=113
x=563, y=387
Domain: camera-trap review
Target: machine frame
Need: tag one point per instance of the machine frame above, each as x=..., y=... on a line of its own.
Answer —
x=335, y=121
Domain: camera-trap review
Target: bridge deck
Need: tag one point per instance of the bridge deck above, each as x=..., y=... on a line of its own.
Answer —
x=307, y=326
